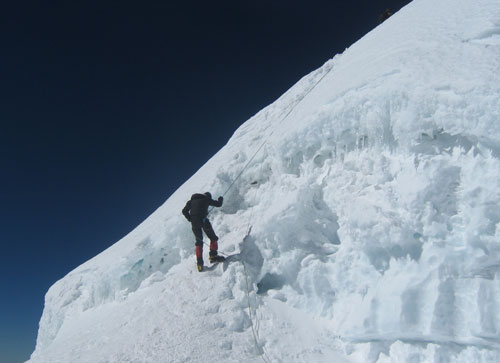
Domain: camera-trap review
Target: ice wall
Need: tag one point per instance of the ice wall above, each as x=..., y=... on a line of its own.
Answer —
x=371, y=188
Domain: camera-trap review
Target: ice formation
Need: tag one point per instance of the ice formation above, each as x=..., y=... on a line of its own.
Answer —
x=365, y=221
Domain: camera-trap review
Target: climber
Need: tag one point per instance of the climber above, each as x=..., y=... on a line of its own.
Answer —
x=196, y=211
x=385, y=15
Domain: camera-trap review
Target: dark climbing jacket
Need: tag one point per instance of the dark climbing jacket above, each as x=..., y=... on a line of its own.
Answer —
x=198, y=206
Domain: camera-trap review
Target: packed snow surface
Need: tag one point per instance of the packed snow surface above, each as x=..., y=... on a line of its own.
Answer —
x=363, y=224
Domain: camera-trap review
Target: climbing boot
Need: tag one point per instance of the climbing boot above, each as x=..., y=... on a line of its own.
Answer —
x=216, y=258
x=199, y=264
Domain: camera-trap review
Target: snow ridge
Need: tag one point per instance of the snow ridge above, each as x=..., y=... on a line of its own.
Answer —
x=371, y=188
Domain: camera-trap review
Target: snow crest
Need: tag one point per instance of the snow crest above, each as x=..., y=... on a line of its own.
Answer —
x=363, y=213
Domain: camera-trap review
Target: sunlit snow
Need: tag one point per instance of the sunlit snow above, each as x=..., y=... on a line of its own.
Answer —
x=365, y=220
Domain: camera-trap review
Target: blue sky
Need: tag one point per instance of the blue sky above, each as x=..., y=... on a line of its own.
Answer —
x=107, y=109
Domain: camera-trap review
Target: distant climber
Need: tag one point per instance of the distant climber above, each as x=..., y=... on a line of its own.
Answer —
x=196, y=212
x=385, y=15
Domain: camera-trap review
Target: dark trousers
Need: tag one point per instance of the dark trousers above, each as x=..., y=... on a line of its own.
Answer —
x=203, y=224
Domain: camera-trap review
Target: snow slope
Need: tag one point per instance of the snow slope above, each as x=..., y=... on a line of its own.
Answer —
x=364, y=226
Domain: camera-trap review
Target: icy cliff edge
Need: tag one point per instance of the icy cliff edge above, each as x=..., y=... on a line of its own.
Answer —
x=372, y=187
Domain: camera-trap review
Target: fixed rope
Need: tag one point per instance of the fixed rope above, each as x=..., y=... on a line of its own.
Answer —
x=274, y=129
x=260, y=348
